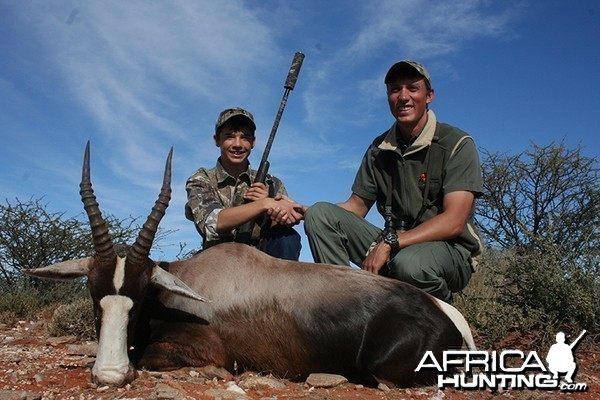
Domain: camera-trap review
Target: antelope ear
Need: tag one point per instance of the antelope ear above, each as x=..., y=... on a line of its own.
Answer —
x=170, y=282
x=65, y=270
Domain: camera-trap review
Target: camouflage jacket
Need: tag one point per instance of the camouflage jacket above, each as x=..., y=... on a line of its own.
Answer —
x=211, y=190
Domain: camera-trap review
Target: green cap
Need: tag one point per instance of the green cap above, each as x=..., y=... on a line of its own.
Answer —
x=237, y=113
x=406, y=65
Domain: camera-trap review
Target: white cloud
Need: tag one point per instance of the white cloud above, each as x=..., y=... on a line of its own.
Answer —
x=390, y=30
x=129, y=64
x=425, y=29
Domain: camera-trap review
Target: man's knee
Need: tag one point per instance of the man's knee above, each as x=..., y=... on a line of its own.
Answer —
x=317, y=215
x=419, y=271
x=407, y=269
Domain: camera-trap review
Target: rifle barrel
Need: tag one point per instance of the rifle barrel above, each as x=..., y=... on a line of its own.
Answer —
x=576, y=341
x=289, y=85
x=244, y=232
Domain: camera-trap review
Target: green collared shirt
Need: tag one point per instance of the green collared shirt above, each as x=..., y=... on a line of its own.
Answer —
x=462, y=171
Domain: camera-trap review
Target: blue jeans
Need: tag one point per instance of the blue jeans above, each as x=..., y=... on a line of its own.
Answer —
x=283, y=242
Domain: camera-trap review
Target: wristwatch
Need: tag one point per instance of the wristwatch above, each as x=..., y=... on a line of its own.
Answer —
x=391, y=238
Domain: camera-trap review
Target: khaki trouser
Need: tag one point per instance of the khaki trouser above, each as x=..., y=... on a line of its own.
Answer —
x=340, y=237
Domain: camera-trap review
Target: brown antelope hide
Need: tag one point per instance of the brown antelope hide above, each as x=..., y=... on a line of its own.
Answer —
x=264, y=314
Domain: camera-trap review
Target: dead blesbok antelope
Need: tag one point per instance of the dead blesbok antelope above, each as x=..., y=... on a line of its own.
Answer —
x=264, y=314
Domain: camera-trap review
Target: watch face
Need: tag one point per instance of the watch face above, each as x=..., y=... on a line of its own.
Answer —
x=390, y=238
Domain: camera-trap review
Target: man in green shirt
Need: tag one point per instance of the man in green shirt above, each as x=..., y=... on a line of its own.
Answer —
x=424, y=177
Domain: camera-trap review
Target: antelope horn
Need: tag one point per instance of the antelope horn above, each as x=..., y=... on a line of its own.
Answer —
x=141, y=248
x=102, y=241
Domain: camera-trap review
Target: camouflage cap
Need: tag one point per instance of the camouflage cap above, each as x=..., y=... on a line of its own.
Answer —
x=237, y=113
x=407, y=65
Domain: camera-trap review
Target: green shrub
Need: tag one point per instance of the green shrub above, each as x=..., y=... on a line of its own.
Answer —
x=27, y=295
x=75, y=318
x=552, y=292
x=482, y=305
x=22, y=305
x=528, y=294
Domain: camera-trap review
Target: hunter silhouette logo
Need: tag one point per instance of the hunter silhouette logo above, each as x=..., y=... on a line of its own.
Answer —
x=506, y=369
x=560, y=357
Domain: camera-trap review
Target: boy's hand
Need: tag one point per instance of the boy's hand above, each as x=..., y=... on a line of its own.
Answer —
x=286, y=211
x=256, y=191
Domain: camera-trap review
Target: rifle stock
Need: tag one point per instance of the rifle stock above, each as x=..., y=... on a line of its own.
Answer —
x=244, y=232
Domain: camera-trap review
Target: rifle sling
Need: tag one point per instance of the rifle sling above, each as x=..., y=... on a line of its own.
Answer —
x=435, y=160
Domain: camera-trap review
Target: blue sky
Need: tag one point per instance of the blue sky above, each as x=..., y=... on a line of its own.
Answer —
x=137, y=77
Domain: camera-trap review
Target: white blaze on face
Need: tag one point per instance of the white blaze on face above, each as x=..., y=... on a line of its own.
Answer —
x=112, y=362
x=119, y=276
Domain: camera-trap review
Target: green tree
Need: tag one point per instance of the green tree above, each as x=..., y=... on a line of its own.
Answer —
x=31, y=236
x=547, y=195
x=539, y=217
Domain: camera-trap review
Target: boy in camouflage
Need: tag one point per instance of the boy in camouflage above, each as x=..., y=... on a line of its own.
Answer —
x=223, y=198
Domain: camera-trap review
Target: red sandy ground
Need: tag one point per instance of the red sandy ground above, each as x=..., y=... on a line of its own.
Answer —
x=29, y=362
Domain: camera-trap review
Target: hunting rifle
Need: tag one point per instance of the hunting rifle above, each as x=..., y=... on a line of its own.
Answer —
x=576, y=341
x=244, y=232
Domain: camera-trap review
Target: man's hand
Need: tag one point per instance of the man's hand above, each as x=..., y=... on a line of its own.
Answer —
x=281, y=210
x=377, y=258
x=286, y=211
